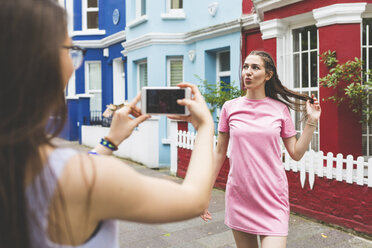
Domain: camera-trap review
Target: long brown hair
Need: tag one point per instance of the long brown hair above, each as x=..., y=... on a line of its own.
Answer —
x=276, y=90
x=31, y=100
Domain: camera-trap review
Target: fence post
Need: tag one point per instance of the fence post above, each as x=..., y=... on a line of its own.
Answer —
x=349, y=169
x=330, y=165
x=303, y=170
x=184, y=139
x=180, y=138
x=360, y=170
x=370, y=172
x=311, y=168
x=192, y=141
x=286, y=161
x=319, y=161
x=339, y=159
x=174, y=150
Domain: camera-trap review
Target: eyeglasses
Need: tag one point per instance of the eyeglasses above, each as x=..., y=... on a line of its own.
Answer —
x=77, y=55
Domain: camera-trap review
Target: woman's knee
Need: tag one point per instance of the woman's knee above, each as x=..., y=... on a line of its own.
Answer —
x=245, y=240
x=273, y=241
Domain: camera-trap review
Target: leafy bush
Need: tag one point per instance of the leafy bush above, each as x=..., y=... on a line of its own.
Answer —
x=358, y=88
x=216, y=94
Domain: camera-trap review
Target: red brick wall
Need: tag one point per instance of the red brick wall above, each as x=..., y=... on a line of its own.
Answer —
x=183, y=163
x=340, y=130
x=347, y=205
x=339, y=203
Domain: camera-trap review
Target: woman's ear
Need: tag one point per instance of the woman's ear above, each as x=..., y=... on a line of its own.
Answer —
x=269, y=75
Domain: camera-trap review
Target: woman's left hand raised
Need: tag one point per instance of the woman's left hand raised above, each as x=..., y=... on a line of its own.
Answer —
x=122, y=124
x=313, y=109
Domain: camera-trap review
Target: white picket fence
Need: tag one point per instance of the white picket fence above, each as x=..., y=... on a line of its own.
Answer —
x=313, y=163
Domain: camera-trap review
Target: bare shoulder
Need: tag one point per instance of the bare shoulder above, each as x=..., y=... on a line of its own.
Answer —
x=84, y=173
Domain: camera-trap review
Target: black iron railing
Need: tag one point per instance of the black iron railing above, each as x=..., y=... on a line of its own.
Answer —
x=96, y=119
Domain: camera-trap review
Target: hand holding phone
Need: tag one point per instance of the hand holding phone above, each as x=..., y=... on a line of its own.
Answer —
x=199, y=112
x=123, y=122
x=163, y=100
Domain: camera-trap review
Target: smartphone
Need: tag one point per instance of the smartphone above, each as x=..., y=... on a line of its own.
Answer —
x=163, y=100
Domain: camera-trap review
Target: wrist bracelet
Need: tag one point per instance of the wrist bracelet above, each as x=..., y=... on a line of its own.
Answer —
x=93, y=152
x=311, y=124
x=109, y=144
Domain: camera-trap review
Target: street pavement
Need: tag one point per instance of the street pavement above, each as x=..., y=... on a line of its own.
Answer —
x=195, y=233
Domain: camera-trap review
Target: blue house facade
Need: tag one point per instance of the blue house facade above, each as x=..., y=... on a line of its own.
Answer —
x=99, y=27
x=170, y=41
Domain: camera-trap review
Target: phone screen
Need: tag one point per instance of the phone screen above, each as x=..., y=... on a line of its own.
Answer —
x=164, y=101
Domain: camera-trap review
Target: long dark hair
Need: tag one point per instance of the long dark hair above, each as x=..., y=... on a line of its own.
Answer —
x=276, y=90
x=31, y=99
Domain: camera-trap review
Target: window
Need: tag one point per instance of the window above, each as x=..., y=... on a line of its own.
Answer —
x=305, y=71
x=93, y=84
x=90, y=14
x=118, y=81
x=223, y=67
x=176, y=4
x=174, y=10
x=174, y=71
x=140, y=8
x=142, y=75
x=174, y=77
x=367, y=65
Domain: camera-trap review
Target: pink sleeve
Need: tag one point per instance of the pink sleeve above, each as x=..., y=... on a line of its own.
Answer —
x=288, y=129
x=223, y=124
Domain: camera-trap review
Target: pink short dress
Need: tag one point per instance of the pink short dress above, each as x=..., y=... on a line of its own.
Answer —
x=257, y=187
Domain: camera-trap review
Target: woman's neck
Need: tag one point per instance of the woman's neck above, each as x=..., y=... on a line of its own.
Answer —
x=251, y=94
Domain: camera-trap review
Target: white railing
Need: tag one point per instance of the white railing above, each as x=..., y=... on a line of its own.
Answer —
x=313, y=163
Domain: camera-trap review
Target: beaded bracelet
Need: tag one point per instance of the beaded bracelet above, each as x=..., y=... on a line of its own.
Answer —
x=109, y=144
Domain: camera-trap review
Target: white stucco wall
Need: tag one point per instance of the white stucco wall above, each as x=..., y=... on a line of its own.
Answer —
x=142, y=146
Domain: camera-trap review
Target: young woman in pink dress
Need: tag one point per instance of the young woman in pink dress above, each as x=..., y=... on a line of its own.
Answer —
x=257, y=188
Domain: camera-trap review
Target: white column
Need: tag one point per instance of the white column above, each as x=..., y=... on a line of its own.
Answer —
x=275, y=28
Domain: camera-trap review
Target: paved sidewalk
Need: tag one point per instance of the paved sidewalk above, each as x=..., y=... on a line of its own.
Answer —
x=195, y=233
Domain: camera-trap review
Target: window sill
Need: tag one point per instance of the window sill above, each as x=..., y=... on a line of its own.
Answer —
x=84, y=95
x=166, y=141
x=88, y=32
x=137, y=21
x=173, y=15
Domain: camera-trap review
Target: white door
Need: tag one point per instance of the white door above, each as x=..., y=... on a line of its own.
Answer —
x=119, y=81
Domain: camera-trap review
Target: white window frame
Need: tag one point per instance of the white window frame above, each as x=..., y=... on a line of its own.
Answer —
x=138, y=73
x=139, y=8
x=169, y=60
x=85, y=11
x=218, y=62
x=87, y=79
x=173, y=13
x=368, y=46
x=171, y=129
x=71, y=86
x=70, y=17
x=139, y=18
x=220, y=73
x=286, y=65
x=118, y=80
